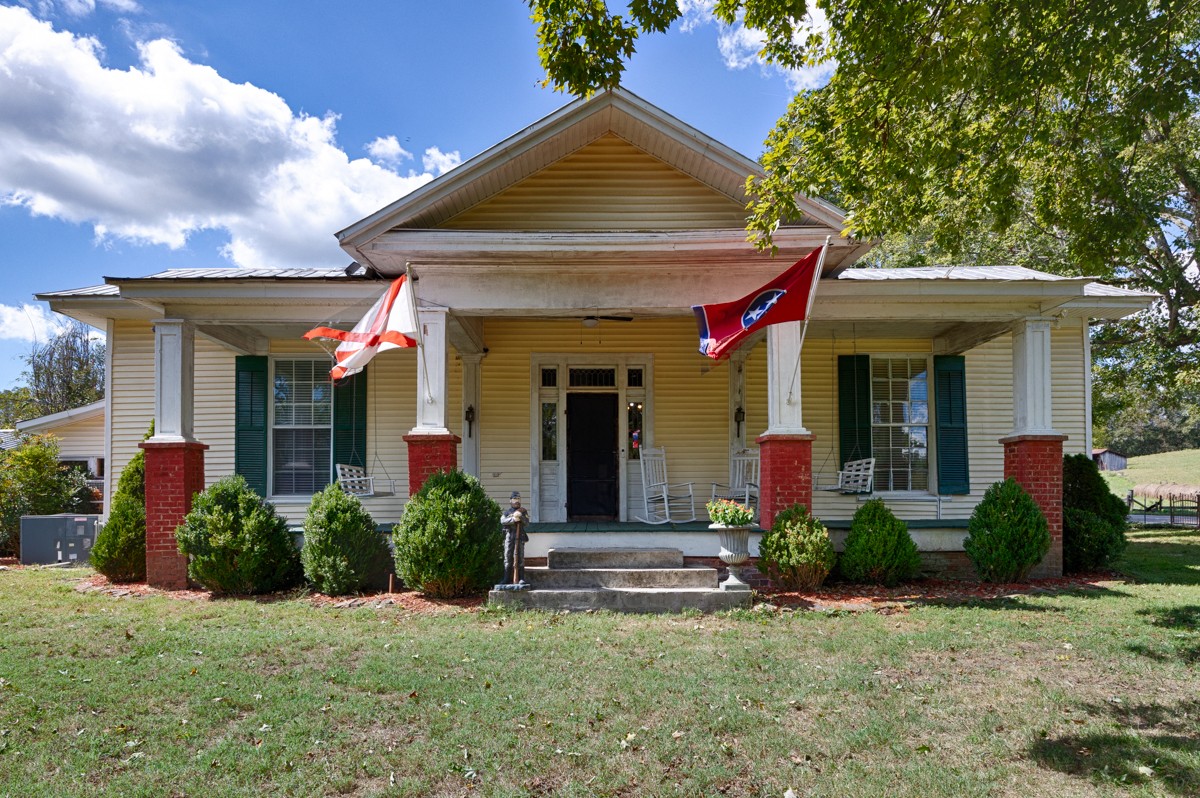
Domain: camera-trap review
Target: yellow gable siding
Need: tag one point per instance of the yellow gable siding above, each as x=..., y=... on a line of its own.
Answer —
x=80, y=440
x=689, y=396
x=606, y=185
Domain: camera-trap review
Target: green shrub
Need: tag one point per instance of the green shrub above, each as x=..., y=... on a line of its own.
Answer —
x=120, y=549
x=235, y=541
x=33, y=482
x=448, y=542
x=1007, y=534
x=1090, y=541
x=343, y=552
x=796, y=552
x=879, y=549
x=1094, y=521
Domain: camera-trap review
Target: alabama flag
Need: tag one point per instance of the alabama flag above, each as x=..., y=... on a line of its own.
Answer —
x=723, y=326
x=390, y=324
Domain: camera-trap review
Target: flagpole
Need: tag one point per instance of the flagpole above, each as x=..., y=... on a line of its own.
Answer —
x=812, y=295
x=412, y=293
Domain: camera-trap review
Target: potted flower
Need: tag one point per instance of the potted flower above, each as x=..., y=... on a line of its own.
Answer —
x=732, y=523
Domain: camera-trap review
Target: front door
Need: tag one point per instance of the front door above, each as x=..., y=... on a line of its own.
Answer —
x=592, y=466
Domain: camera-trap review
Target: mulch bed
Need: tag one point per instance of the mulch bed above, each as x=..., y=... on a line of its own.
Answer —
x=830, y=598
x=888, y=600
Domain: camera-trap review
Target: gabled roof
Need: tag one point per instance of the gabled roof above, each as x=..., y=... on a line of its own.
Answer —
x=617, y=112
x=75, y=414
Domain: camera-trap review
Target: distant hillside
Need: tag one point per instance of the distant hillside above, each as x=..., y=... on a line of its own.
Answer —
x=1181, y=467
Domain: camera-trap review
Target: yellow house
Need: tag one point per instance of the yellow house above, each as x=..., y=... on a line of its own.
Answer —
x=555, y=275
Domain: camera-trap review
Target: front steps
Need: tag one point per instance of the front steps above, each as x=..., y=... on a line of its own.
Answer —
x=620, y=580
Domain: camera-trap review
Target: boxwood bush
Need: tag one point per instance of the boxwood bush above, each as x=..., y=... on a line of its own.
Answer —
x=1094, y=520
x=879, y=549
x=448, y=542
x=236, y=542
x=120, y=549
x=343, y=552
x=796, y=552
x=1007, y=534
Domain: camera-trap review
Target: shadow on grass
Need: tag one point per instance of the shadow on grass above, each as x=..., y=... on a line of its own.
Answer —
x=1162, y=563
x=1157, y=744
x=1022, y=602
x=1186, y=647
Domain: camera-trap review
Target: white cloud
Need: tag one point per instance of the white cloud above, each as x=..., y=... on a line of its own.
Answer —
x=388, y=150
x=169, y=147
x=438, y=162
x=30, y=322
x=741, y=47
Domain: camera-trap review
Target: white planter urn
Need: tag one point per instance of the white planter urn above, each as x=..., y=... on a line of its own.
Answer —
x=735, y=551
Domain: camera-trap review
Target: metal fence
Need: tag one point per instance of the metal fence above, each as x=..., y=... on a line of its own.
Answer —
x=1175, y=509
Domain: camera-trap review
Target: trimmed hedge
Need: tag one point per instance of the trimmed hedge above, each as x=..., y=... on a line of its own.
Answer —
x=1007, y=534
x=236, y=542
x=343, y=552
x=120, y=549
x=1094, y=520
x=879, y=549
x=448, y=542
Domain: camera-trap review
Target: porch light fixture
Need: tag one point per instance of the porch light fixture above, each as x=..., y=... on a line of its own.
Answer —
x=591, y=321
x=739, y=415
x=469, y=417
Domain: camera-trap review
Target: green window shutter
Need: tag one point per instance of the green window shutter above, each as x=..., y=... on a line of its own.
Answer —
x=950, y=404
x=854, y=407
x=350, y=421
x=250, y=421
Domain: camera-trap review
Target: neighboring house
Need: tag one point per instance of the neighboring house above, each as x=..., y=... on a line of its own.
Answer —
x=1108, y=460
x=9, y=439
x=80, y=434
x=556, y=274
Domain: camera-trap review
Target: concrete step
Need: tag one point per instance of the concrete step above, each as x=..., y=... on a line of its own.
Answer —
x=631, y=557
x=623, y=599
x=542, y=578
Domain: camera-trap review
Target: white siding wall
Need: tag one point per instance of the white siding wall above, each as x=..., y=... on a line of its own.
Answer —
x=80, y=440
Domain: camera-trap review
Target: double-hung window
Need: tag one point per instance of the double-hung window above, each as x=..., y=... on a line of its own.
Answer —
x=301, y=427
x=884, y=409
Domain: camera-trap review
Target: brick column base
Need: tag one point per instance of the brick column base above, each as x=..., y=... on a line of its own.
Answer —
x=785, y=474
x=429, y=454
x=1036, y=463
x=174, y=474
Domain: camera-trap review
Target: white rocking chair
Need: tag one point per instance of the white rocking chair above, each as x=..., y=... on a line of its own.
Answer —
x=856, y=476
x=354, y=481
x=665, y=503
x=743, y=480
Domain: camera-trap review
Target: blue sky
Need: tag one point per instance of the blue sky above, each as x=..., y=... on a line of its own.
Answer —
x=141, y=136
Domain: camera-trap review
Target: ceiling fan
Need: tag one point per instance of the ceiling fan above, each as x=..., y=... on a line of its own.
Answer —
x=592, y=321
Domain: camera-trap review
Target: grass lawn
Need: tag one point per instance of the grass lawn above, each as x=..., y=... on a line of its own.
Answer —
x=1182, y=468
x=1094, y=693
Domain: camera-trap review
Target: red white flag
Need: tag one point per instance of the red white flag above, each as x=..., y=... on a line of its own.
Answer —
x=723, y=326
x=390, y=324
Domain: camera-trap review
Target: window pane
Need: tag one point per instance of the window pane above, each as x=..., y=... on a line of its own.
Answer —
x=549, y=378
x=301, y=460
x=634, y=444
x=549, y=431
x=900, y=418
x=635, y=378
x=593, y=378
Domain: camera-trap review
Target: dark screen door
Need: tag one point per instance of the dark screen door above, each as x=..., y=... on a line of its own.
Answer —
x=592, y=456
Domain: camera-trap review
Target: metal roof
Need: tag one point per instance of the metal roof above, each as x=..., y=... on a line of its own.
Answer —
x=91, y=290
x=9, y=439
x=234, y=273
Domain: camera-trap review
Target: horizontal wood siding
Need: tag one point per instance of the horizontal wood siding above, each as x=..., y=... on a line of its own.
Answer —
x=80, y=440
x=1069, y=408
x=606, y=185
x=131, y=349
x=214, y=394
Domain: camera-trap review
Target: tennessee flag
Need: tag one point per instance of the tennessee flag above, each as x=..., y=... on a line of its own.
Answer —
x=723, y=326
x=390, y=324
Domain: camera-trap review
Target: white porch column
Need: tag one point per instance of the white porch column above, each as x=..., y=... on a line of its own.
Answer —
x=174, y=380
x=784, y=416
x=1032, y=397
x=431, y=373
x=471, y=401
